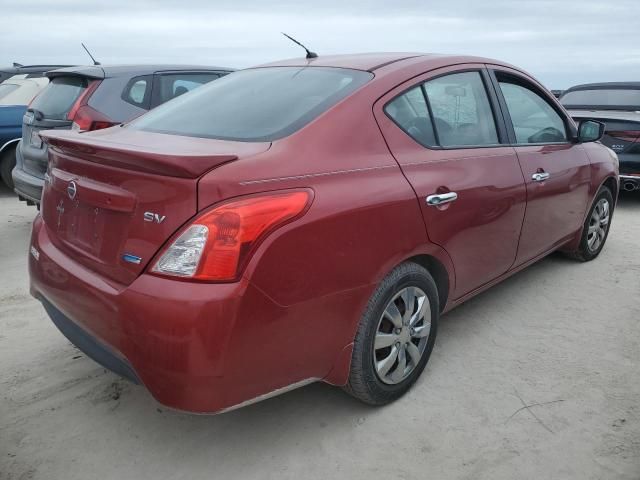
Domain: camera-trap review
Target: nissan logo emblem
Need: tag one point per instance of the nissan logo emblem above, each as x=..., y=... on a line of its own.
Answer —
x=72, y=189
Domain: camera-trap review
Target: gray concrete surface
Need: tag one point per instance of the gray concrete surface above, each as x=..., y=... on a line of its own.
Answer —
x=537, y=378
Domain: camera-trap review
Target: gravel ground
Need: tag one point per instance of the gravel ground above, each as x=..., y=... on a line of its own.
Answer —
x=537, y=378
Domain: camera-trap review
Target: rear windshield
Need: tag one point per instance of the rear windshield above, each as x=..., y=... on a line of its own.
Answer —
x=58, y=97
x=601, y=97
x=7, y=88
x=261, y=104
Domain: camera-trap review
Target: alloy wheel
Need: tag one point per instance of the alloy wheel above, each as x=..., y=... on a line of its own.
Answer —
x=598, y=225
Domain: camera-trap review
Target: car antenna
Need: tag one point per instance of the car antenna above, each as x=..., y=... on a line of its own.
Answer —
x=310, y=54
x=17, y=65
x=89, y=53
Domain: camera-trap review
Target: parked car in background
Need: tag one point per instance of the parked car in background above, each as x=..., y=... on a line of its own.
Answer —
x=309, y=220
x=30, y=71
x=15, y=94
x=95, y=97
x=618, y=106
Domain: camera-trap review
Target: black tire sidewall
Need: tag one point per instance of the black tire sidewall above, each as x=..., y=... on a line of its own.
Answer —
x=585, y=251
x=7, y=162
x=405, y=275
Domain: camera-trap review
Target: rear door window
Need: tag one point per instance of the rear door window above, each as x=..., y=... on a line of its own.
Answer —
x=58, y=97
x=461, y=110
x=534, y=119
x=172, y=85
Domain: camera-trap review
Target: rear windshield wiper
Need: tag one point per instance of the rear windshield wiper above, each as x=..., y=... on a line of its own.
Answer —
x=37, y=114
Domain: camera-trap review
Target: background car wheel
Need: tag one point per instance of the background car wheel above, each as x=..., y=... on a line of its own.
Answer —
x=596, y=227
x=7, y=162
x=395, y=336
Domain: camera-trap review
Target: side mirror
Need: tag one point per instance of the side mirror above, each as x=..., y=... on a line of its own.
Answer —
x=590, y=131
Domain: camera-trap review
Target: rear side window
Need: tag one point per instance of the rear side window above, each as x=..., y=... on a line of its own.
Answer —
x=172, y=85
x=255, y=105
x=58, y=97
x=533, y=119
x=138, y=91
x=410, y=112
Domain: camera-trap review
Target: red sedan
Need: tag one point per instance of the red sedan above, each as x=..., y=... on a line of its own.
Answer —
x=309, y=220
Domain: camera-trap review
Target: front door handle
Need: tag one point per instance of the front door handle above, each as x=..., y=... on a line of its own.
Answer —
x=441, y=198
x=540, y=176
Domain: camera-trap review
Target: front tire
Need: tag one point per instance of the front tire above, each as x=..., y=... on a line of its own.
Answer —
x=596, y=227
x=395, y=336
x=7, y=162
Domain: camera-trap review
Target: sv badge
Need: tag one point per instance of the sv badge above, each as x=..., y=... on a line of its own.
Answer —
x=154, y=217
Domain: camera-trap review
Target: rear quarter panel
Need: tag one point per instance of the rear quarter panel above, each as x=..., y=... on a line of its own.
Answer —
x=322, y=268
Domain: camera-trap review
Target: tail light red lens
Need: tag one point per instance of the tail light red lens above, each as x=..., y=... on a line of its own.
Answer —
x=218, y=243
x=86, y=119
x=83, y=116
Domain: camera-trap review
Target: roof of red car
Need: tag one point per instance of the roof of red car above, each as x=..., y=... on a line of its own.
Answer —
x=370, y=61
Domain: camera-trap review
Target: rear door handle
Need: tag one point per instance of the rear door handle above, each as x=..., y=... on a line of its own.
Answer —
x=540, y=176
x=441, y=198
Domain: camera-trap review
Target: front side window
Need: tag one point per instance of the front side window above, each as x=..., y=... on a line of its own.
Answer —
x=534, y=120
x=461, y=110
x=254, y=105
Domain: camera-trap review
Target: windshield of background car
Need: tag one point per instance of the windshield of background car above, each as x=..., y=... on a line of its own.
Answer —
x=602, y=97
x=58, y=97
x=261, y=104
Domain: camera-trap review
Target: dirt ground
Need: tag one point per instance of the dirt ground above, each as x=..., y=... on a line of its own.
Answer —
x=537, y=378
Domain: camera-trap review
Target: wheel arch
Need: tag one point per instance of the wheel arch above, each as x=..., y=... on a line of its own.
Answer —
x=9, y=144
x=439, y=273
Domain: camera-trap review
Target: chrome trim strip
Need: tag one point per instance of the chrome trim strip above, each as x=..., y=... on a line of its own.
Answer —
x=274, y=393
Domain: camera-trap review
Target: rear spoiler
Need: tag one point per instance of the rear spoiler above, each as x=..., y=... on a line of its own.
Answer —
x=93, y=72
x=133, y=157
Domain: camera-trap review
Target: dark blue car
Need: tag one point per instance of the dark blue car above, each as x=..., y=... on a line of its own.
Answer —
x=15, y=94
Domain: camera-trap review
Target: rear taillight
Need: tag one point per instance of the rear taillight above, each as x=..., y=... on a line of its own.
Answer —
x=87, y=119
x=218, y=243
x=83, y=116
x=626, y=135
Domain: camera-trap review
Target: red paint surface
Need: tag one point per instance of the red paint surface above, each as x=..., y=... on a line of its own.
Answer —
x=293, y=314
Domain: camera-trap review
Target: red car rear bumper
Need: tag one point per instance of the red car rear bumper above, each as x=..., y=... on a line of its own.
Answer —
x=182, y=340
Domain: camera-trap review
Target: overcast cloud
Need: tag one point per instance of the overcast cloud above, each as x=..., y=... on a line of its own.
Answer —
x=561, y=42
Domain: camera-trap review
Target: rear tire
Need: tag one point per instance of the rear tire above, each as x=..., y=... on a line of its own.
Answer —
x=7, y=162
x=395, y=336
x=596, y=227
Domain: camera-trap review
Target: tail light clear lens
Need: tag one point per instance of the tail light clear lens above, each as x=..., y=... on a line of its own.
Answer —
x=218, y=243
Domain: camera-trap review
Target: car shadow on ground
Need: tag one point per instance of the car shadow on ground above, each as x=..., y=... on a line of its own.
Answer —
x=629, y=200
x=6, y=192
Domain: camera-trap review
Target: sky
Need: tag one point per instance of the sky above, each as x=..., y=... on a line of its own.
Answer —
x=562, y=43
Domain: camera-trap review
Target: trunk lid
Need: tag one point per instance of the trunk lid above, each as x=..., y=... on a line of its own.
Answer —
x=113, y=197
